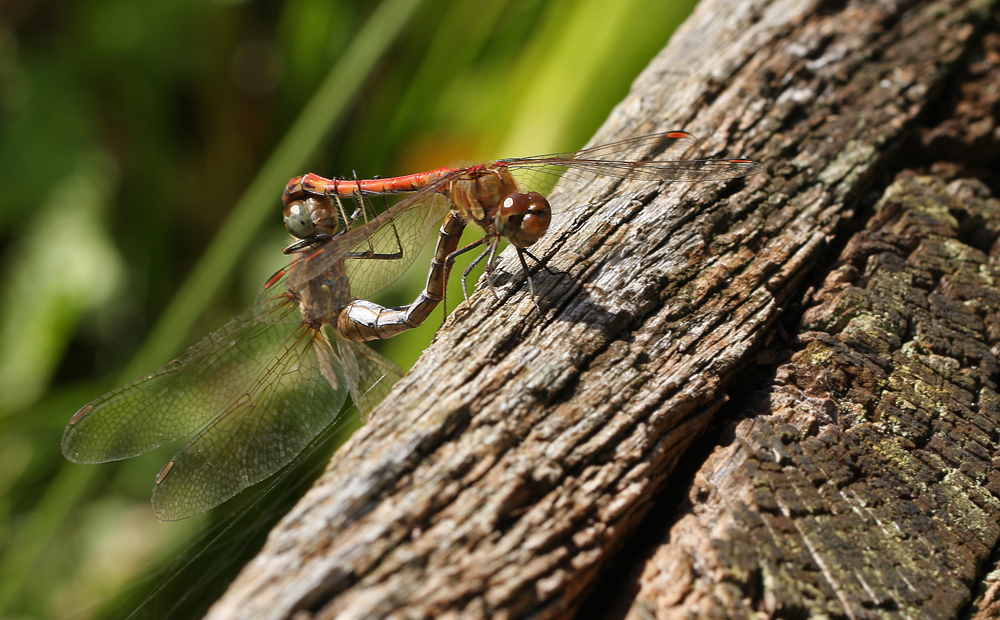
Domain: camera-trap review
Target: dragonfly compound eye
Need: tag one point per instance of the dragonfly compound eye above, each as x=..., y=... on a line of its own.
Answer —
x=310, y=217
x=524, y=218
x=297, y=220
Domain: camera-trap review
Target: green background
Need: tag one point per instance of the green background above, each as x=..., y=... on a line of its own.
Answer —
x=144, y=147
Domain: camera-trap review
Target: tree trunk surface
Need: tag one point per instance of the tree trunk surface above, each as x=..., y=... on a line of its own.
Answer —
x=834, y=323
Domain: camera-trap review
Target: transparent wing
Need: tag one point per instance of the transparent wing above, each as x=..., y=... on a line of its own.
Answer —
x=670, y=145
x=297, y=388
x=670, y=156
x=187, y=393
x=375, y=374
x=377, y=251
x=409, y=226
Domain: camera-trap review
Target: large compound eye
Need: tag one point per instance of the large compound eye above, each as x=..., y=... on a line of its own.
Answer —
x=523, y=218
x=310, y=217
x=297, y=220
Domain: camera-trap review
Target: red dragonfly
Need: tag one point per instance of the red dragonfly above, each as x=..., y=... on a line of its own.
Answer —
x=257, y=391
x=492, y=197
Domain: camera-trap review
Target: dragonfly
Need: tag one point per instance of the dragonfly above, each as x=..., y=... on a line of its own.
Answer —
x=254, y=393
x=503, y=198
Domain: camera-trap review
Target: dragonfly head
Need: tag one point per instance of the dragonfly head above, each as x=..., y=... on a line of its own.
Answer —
x=311, y=217
x=523, y=218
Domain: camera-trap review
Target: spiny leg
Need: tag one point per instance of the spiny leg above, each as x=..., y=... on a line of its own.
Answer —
x=395, y=230
x=491, y=264
x=358, y=196
x=538, y=260
x=370, y=253
x=465, y=274
x=527, y=274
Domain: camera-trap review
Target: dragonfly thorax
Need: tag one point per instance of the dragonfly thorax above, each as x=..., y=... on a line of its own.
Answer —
x=478, y=194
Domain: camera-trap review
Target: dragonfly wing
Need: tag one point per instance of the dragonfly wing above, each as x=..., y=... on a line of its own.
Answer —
x=664, y=146
x=297, y=389
x=675, y=155
x=378, y=251
x=540, y=172
x=413, y=222
x=375, y=374
x=667, y=145
x=182, y=396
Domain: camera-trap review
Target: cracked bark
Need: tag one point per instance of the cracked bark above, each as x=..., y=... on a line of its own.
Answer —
x=521, y=452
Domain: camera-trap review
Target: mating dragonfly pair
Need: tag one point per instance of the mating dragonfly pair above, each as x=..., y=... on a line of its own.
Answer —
x=258, y=390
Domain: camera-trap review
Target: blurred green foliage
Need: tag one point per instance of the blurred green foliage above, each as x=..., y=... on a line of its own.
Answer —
x=144, y=147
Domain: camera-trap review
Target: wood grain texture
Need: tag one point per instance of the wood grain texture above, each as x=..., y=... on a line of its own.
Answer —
x=521, y=452
x=866, y=482
x=863, y=481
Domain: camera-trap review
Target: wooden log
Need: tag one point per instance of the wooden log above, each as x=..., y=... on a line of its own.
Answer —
x=863, y=480
x=521, y=452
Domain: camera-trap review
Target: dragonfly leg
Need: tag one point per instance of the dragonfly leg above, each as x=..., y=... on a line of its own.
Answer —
x=465, y=274
x=538, y=260
x=527, y=274
x=491, y=265
x=358, y=194
x=309, y=244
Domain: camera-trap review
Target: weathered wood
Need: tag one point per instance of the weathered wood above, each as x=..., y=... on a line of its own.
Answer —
x=521, y=451
x=866, y=482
